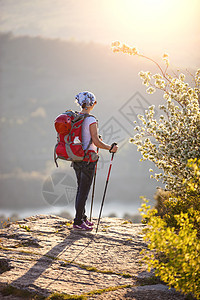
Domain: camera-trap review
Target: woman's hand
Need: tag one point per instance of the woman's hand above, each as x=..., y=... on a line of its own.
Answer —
x=114, y=148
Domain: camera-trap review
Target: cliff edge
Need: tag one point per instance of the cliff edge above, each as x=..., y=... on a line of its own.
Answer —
x=43, y=257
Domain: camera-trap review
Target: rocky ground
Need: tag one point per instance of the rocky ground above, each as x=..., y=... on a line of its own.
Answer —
x=43, y=255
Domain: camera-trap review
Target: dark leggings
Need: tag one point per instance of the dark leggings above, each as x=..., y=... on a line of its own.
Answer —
x=84, y=173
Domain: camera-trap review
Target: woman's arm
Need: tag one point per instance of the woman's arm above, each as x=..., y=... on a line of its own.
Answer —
x=98, y=143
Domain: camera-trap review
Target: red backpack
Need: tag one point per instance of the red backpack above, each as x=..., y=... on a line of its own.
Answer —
x=69, y=138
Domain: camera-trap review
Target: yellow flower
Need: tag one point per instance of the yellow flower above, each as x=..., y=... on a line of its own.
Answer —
x=150, y=90
x=116, y=50
x=134, y=51
x=115, y=44
x=165, y=56
x=182, y=77
x=166, y=96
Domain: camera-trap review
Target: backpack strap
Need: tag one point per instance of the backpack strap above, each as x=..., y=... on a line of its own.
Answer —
x=77, y=117
x=55, y=158
x=90, y=142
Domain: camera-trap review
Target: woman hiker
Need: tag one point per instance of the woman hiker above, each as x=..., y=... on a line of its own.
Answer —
x=85, y=169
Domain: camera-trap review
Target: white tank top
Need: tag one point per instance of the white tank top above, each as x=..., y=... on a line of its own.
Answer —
x=86, y=136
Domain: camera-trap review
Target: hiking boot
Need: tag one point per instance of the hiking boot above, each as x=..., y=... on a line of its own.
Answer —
x=88, y=223
x=83, y=227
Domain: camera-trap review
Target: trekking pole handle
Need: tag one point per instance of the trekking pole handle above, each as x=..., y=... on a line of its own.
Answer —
x=113, y=144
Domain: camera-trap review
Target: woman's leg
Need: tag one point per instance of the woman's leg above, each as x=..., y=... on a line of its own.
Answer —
x=84, y=173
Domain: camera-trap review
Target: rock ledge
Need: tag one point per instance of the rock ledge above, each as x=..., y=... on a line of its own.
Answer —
x=45, y=255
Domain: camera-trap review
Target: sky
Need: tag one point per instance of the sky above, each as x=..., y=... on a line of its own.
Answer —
x=153, y=26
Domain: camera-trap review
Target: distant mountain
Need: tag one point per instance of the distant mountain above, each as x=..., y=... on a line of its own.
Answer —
x=38, y=80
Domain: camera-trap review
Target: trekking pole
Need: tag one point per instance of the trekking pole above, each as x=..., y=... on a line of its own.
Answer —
x=104, y=194
x=95, y=172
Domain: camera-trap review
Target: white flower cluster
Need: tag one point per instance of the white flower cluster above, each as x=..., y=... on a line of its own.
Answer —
x=159, y=82
x=146, y=77
x=118, y=47
x=166, y=58
x=175, y=138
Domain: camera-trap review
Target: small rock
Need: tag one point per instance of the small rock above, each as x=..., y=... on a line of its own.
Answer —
x=4, y=265
x=30, y=242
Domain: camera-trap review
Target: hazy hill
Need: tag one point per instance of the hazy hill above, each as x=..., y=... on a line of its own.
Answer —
x=38, y=80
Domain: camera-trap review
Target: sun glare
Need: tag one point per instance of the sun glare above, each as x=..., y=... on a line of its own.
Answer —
x=153, y=21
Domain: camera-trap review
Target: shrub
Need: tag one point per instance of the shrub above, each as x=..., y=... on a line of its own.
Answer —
x=172, y=143
x=176, y=257
x=174, y=236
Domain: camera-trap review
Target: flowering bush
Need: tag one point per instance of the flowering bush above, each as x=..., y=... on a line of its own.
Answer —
x=175, y=138
x=176, y=259
x=175, y=237
x=172, y=143
x=168, y=207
